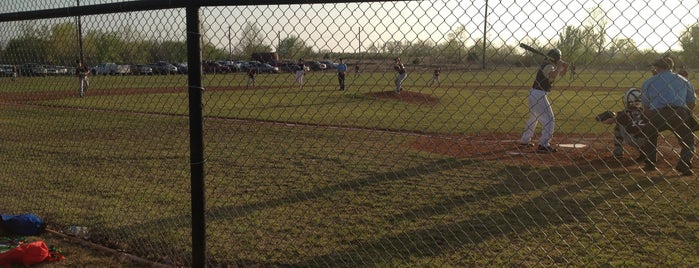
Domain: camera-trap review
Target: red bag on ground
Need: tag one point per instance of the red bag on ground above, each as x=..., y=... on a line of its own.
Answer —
x=28, y=254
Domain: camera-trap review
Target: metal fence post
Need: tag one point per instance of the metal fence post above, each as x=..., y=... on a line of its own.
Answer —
x=196, y=127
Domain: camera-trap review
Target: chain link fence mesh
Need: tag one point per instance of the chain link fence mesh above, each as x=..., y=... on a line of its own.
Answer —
x=303, y=171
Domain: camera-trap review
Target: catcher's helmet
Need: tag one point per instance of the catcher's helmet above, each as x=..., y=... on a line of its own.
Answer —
x=632, y=98
x=554, y=54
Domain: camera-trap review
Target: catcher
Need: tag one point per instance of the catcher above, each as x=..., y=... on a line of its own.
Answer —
x=628, y=122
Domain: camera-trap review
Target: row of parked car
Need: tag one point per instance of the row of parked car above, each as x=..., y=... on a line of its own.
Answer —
x=160, y=67
x=227, y=66
x=33, y=69
x=164, y=67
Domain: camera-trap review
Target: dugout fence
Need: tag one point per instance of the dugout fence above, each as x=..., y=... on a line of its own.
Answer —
x=179, y=155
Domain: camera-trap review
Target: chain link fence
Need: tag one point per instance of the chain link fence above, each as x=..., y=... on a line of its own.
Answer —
x=322, y=151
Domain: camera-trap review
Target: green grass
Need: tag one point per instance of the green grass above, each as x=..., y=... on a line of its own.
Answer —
x=307, y=196
x=472, y=102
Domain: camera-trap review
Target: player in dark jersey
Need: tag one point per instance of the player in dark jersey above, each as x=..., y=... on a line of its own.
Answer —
x=629, y=123
x=540, y=110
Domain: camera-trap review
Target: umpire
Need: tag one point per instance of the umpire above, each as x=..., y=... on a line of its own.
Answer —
x=668, y=100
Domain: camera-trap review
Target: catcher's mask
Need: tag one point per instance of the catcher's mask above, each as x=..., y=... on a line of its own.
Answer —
x=632, y=98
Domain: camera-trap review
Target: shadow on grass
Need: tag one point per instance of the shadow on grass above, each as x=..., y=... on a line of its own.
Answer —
x=549, y=208
x=231, y=212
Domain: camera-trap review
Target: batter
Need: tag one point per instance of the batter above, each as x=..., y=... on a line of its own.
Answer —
x=540, y=110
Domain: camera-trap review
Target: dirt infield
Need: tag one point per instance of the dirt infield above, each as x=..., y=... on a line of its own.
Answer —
x=574, y=150
x=501, y=147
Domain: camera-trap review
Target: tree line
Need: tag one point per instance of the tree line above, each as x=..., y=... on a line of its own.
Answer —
x=583, y=45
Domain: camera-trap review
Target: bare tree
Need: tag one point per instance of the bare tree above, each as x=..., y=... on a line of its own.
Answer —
x=252, y=40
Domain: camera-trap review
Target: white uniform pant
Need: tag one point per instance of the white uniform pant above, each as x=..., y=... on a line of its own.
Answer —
x=399, y=81
x=84, y=83
x=299, y=77
x=539, y=112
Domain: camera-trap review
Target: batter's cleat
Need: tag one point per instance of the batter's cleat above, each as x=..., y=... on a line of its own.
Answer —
x=526, y=145
x=648, y=167
x=546, y=149
x=618, y=152
x=686, y=172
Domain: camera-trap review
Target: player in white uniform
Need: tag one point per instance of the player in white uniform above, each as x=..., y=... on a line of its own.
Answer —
x=539, y=106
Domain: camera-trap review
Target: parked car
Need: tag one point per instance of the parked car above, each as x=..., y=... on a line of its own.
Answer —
x=61, y=70
x=234, y=66
x=289, y=67
x=264, y=68
x=315, y=65
x=246, y=65
x=141, y=69
x=110, y=68
x=329, y=64
x=32, y=69
x=214, y=67
x=182, y=67
x=55, y=70
x=123, y=69
x=5, y=70
x=163, y=67
x=103, y=68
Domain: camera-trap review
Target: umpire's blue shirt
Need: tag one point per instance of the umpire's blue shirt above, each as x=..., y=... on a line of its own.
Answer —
x=667, y=89
x=341, y=67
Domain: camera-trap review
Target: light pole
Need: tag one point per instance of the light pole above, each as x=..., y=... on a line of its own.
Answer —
x=230, y=50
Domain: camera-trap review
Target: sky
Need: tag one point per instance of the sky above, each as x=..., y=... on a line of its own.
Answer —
x=353, y=27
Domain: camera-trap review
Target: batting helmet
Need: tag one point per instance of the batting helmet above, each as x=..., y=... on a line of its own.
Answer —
x=632, y=98
x=554, y=54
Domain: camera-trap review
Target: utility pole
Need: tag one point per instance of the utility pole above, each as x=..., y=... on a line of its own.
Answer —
x=81, y=55
x=485, y=31
x=359, y=39
x=230, y=50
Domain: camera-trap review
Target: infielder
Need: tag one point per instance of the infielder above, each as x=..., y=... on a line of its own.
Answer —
x=435, y=77
x=300, y=72
x=402, y=74
x=539, y=106
x=251, y=76
x=82, y=72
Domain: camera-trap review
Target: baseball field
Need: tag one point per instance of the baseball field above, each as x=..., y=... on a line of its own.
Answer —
x=318, y=177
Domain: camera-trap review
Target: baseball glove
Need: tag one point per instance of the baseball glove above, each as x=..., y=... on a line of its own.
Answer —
x=605, y=116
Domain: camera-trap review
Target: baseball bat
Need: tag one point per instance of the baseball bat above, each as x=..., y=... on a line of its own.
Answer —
x=534, y=50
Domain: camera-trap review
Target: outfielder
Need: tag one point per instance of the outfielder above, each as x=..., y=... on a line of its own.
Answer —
x=539, y=106
x=628, y=123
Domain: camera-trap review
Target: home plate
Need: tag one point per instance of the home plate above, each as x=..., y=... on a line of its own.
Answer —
x=514, y=153
x=572, y=145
